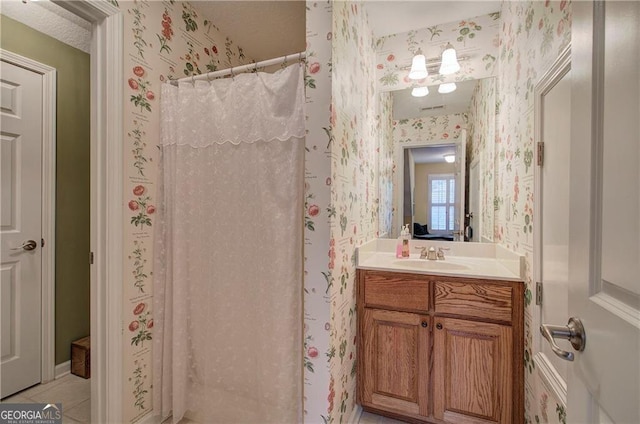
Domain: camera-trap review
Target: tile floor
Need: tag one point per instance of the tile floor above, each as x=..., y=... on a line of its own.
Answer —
x=73, y=392
x=369, y=418
x=365, y=418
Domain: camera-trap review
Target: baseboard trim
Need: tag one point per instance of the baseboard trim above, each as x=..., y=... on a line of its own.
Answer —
x=355, y=415
x=550, y=378
x=62, y=369
x=150, y=418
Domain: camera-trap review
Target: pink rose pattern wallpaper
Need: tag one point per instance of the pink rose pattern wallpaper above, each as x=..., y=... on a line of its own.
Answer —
x=532, y=34
x=163, y=40
x=481, y=138
x=359, y=153
x=348, y=149
x=318, y=182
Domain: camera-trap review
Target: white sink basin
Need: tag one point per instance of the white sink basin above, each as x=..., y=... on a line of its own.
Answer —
x=430, y=265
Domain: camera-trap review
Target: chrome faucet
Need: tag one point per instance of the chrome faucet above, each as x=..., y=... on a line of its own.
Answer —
x=440, y=254
x=428, y=254
x=431, y=254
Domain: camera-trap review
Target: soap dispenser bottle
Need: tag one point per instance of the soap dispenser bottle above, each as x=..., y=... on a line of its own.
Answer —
x=405, y=242
x=399, y=246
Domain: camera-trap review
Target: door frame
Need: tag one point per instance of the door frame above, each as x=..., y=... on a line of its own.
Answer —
x=106, y=205
x=477, y=222
x=48, y=203
x=398, y=178
x=547, y=372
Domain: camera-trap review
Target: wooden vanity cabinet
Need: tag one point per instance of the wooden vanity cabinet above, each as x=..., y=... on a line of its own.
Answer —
x=440, y=349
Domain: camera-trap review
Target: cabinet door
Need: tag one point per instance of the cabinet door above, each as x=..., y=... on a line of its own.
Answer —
x=472, y=375
x=395, y=368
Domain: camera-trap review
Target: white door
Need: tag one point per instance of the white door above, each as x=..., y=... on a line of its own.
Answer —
x=604, y=232
x=20, y=216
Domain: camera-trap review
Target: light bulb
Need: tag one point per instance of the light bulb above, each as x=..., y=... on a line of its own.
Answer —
x=418, y=67
x=419, y=91
x=450, y=158
x=450, y=63
x=447, y=88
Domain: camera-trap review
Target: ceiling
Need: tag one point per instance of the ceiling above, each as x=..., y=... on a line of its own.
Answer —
x=266, y=29
x=392, y=17
x=407, y=106
x=432, y=154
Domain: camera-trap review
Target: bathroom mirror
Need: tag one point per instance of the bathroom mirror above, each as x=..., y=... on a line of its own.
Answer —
x=463, y=121
x=422, y=144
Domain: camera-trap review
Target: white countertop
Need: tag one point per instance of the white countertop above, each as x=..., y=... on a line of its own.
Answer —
x=472, y=260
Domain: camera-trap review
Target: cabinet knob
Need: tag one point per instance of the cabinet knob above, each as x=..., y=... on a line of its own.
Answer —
x=439, y=326
x=424, y=324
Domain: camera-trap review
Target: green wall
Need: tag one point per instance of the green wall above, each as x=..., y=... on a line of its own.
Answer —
x=72, y=185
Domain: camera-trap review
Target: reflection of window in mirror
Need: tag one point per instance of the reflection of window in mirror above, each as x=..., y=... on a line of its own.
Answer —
x=427, y=129
x=441, y=202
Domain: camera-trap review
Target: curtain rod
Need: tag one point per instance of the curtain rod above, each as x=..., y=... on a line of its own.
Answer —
x=238, y=69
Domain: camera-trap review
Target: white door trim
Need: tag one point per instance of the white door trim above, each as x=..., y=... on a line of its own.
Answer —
x=546, y=371
x=48, y=205
x=106, y=205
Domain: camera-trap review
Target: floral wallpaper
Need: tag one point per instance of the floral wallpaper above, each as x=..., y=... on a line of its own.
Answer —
x=386, y=164
x=430, y=128
x=318, y=261
x=475, y=40
x=481, y=145
x=360, y=120
x=347, y=151
x=163, y=40
x=532, y=34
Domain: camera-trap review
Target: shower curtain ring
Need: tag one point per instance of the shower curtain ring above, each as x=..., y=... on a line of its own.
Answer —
x=255, y=67
x=193, y=79
x=232, y=76
x=300, y=59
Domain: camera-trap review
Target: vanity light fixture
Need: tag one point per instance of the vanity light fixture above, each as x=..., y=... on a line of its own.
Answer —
x=449, y=63
x=418, y=66
x=448, y=87
x=450, y=158
x=420, y=91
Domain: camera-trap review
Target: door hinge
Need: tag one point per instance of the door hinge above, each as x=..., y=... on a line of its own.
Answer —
x=540, y=153
x=90, y=258
x=41, y=242
x=538, y=293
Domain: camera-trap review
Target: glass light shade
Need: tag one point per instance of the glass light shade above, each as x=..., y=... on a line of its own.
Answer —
x=450, y=158
x=449, y=63
x=420, y=91
x=447, y=88
x=418, y=67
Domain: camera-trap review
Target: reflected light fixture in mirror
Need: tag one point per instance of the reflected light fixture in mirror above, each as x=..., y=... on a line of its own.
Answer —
x=447, y=88
x=419, y=91
x=418, y=66
x=449, y=158
x=449, y=63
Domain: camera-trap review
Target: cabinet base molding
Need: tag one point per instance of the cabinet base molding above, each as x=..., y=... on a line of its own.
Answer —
x=401, y=416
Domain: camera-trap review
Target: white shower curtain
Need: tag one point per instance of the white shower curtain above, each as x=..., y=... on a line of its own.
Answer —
x=227, y=341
